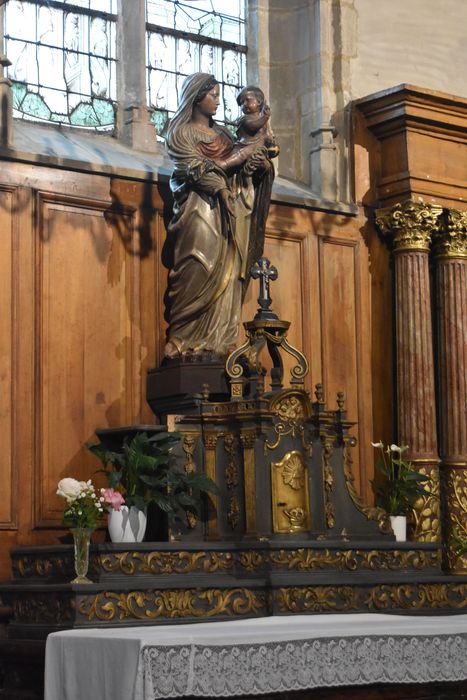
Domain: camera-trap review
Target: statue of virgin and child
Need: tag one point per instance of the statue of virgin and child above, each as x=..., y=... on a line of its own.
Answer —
x=221, y=187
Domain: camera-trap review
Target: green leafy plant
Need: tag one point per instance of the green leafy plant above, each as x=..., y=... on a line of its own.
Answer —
x=144, y=471
x=399, y=485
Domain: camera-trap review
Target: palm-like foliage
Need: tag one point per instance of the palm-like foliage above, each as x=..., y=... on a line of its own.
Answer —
x=144, y=472
x=398, y=485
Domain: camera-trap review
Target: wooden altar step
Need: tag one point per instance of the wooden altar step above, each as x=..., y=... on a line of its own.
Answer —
x=161, y=583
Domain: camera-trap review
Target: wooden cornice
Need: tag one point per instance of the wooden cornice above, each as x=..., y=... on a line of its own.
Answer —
x=421, y=153
x=407, y=106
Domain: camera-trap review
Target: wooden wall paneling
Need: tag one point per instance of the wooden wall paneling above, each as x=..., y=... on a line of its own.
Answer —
x=345, y=335
x=84, y=374
x=8, y=294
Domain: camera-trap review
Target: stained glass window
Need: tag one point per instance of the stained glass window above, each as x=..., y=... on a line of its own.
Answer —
x=63, y=60
x=186, y=36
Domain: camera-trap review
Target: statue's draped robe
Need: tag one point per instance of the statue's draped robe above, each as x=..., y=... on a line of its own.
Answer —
x=210, y=247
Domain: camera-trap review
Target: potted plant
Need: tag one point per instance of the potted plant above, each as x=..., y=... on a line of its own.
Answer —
x=398, y=486
x=143, y=472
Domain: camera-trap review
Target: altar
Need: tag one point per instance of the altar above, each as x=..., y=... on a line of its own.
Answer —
x=255, y=657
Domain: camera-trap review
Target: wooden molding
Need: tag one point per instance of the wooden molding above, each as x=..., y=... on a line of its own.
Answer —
x=422, y=140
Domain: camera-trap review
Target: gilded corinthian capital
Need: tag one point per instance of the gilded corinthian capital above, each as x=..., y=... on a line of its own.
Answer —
x=451, y=239
x=409, y=225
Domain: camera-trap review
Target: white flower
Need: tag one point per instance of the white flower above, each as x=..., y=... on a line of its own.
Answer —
x=396, y=448
x=69, y=488
x=378, y=444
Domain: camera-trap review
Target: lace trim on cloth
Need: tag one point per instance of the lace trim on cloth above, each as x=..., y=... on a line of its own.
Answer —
x=254, y=669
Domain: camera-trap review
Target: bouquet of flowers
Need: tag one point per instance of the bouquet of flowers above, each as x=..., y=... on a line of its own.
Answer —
x=83, y=508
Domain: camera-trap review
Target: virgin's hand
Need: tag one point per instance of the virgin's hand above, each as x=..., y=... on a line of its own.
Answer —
x=227, y=198
x=259, y=161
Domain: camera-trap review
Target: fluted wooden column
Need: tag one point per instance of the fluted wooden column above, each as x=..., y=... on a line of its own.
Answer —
x=409, y=228
x=451, y=316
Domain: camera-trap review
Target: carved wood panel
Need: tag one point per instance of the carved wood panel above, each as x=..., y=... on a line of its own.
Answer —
x=8, y=279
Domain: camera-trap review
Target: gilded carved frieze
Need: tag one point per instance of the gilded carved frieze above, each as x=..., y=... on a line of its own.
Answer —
x=181, y=562
x=353, y=560
x=37, y=608
x=328, y=478
x=455, y=493
x=409, y=225
x=425, y=522
x=188, y=603
x=409, y=597
x=450, y=240
x=419, y=596
x=189, y=444
x=297, y=599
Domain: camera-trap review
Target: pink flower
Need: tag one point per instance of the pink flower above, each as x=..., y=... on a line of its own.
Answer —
x=112, y=498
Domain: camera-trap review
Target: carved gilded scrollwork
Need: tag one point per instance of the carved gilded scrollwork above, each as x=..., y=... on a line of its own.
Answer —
x=410, y=225
x=328, y=482
x=451, y=239
x=455, y=483
x=432, y=596
x=354, y=560
x=370, y=512
x=181, y=562
x=30, y=566
x=410, y=597
x=233, y=513
x=39, y=608
x=231, y=470
x=152, y=605
x=425, y=516
x=316, y=598
x=292, y=410
x=189, y=444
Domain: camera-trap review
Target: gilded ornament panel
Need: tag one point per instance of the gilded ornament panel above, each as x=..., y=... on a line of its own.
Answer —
x=290, y=494
x=425, y=524
x=455, y=493
x=171, y=604
x=354, y=560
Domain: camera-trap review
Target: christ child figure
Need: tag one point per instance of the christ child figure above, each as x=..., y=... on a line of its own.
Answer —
x=253, y=127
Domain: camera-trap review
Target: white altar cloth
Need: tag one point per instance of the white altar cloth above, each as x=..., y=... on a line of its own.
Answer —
x=251, y=657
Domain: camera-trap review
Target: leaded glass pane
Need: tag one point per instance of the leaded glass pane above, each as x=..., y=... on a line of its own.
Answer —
x=186, y=37
x=63, y=60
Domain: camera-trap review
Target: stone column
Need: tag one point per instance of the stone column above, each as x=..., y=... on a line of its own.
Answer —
x=133, y=117
x=409, y=227
x=6, y=105
x=450, y=251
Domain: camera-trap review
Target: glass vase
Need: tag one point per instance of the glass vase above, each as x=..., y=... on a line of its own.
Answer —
x=81, y=541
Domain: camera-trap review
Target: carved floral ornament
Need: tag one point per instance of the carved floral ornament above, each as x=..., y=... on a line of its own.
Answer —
x=410, y=224
x=417, y=225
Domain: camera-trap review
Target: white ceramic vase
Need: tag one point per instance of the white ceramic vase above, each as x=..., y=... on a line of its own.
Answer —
x=127, y=525
x=399, y=526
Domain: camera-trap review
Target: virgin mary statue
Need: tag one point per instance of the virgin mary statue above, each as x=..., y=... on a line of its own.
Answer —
x=221, y=199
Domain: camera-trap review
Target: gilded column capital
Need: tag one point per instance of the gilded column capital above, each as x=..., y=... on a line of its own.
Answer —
x=409, y=225
x=450, y=240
